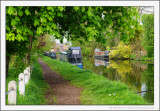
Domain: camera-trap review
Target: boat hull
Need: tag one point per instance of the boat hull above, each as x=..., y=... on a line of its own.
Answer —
x=101, y=57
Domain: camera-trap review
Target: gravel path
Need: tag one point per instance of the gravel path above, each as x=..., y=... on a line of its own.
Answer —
x=64, y=92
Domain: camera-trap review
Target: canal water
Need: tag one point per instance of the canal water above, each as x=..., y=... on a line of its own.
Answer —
x=139, y=76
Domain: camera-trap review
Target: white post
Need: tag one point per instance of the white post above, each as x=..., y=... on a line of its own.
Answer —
x=26, y=76
x=21, y=84
x=12, y=95
x=29, y=73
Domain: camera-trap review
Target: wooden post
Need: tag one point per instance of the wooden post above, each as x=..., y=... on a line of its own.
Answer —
x=26, y=76
x=12, y=95
x=21, y=84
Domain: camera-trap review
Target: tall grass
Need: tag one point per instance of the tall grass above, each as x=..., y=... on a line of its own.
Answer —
x=34, y=89
x=97, y=89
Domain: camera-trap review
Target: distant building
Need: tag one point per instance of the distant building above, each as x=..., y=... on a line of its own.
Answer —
x=60, y=47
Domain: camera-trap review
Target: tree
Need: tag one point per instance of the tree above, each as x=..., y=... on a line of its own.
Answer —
x=24, y=24
x=148, y=26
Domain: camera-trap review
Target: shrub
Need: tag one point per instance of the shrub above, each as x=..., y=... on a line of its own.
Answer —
x=121, y=51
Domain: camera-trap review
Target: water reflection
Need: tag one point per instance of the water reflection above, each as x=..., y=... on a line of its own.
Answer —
x=98, y=62
x=138, y=76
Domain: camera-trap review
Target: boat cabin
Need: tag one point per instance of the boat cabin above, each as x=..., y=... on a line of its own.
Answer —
x=74, y=55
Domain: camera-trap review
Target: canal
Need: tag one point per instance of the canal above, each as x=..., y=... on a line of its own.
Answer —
x=139, y=76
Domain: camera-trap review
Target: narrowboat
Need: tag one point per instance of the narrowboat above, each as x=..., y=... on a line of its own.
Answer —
x=52, y=55
x=101, y=54
x=73, y=56
x=45, y=53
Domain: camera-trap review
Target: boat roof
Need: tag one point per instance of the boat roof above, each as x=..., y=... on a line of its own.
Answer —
x=63, y=52
x=75, y=48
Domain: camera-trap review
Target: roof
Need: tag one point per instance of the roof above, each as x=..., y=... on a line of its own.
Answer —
x=75, y=48
x=63, y=52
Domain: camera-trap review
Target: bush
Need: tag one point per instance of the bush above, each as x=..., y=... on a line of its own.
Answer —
x=150, y=51
x=121, y=51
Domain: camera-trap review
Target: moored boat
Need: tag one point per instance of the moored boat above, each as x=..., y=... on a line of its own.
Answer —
x=73, y=56
x=101, y=54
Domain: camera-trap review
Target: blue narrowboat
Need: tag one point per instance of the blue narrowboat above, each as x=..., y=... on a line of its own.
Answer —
x=73, y=56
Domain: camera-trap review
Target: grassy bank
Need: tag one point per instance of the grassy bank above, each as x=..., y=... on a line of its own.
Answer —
x=97, y=89
x=34, y=90
x=143, y=58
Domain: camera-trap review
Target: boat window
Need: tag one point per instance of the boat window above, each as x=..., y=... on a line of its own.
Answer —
x=75, y=51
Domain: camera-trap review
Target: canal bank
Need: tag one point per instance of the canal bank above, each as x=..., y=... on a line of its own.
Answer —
x=137, y=75
x=97, y=89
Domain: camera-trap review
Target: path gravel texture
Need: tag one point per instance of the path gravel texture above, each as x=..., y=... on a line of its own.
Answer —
x=64, y=92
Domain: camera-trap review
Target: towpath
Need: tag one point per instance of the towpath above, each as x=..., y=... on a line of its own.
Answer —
x=64, y=92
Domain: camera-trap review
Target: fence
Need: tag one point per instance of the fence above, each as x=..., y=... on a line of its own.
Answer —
x=12, y=85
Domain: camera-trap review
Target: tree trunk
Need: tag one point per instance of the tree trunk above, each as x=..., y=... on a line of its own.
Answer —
x=7, y=65
x=30, y=49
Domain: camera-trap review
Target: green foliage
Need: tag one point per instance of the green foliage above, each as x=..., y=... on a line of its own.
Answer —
x=145, y=58
x=96, y=89
x=48, y=43
x=150, y=51
x=17, y=65
x=121, y=51
x=23, y=22
x=132, y=56
x=148, y=25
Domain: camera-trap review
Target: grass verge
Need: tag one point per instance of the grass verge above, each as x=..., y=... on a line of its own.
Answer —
x=34, y=90
x=97, y=89
x=143, y=58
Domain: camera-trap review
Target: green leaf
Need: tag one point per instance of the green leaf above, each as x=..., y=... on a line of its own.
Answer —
x=19, y=37
x=13, y=38
x=36, y=22
x=50, y=18
x=27, y=12
x=59, y=14
x=17, y=19
x=54, y=26
x=76, y=8
x=7, y=27
x=49, y=8
x=20, y=13
x=30, y=32
x=48, y=28
x=13, y=22
x=89, y=13
x=39, y=30
x=11, y=10
x=83, y=9
x=9, y=36
x=61, y=8
x=18, y=30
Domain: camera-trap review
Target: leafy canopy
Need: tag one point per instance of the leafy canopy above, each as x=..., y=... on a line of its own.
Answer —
x=76, y=23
